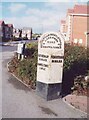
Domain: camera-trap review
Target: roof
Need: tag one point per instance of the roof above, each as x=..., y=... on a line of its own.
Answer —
x=26, y=28
x=1, y=22
x=63, y=21
x=10, y=25
x=79, y=9
x=70, y=10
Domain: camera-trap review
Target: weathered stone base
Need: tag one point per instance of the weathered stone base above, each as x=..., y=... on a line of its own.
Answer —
x=48, y=91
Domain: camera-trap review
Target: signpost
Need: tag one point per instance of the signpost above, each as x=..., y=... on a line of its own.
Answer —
x=50, y=65
x=20, y=50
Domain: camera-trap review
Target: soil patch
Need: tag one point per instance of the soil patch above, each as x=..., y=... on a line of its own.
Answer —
x=79, y=102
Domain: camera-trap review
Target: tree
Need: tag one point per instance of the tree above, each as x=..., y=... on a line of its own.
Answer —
x=20, y=33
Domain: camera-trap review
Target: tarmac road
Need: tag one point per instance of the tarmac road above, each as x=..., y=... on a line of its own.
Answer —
x=20, y=102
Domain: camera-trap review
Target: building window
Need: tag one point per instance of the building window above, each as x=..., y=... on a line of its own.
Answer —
x=80, y=41
x=75, y=41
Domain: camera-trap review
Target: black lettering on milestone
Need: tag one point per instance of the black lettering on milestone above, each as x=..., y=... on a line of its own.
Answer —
x=57, y=57
x=41, y=55
x=43, y=59
x=44, y=65
x=56, y=61
x=53, y=36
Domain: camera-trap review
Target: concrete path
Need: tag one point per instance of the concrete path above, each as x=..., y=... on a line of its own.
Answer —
x=21, y=102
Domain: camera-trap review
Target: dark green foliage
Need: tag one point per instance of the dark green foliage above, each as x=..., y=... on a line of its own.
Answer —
x=75, y=64
x=76, y=60
x=28, y=67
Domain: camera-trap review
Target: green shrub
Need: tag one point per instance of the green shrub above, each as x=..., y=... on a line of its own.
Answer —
x=75, y=63
x=28, y=67
x=75, y=58
x=32, y=45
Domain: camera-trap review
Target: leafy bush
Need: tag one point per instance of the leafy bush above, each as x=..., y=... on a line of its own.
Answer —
x=75, y=58
x=75, y=64
x=26, y=69
x=32, y=45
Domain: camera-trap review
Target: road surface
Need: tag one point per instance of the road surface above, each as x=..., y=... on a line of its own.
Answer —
x=20, y=102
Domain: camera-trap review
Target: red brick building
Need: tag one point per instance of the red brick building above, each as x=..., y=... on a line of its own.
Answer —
x=63, y=27
x=76, y=25
x=6, y=31
x=2, y=30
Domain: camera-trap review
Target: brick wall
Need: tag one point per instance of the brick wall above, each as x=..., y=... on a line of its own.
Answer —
x=79, y=27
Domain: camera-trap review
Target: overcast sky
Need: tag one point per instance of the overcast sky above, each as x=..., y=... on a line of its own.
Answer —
x=41, y=16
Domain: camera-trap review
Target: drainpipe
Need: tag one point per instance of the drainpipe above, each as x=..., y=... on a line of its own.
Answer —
x=72, y=29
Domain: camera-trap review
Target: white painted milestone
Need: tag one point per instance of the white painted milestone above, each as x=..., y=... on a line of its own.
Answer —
x=50, y=58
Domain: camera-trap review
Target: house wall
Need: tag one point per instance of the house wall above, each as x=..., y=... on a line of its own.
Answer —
x=79, y=28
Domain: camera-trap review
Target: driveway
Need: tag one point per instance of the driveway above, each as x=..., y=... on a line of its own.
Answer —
x=20, y=102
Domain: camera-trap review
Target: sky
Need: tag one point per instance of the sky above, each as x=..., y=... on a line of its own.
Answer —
x=41, y=16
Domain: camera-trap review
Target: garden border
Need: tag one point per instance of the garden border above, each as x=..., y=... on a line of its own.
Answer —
x=74, y=107
x=28, y=86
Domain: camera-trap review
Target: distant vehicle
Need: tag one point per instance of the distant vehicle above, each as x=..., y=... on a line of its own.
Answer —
x=34, y=38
